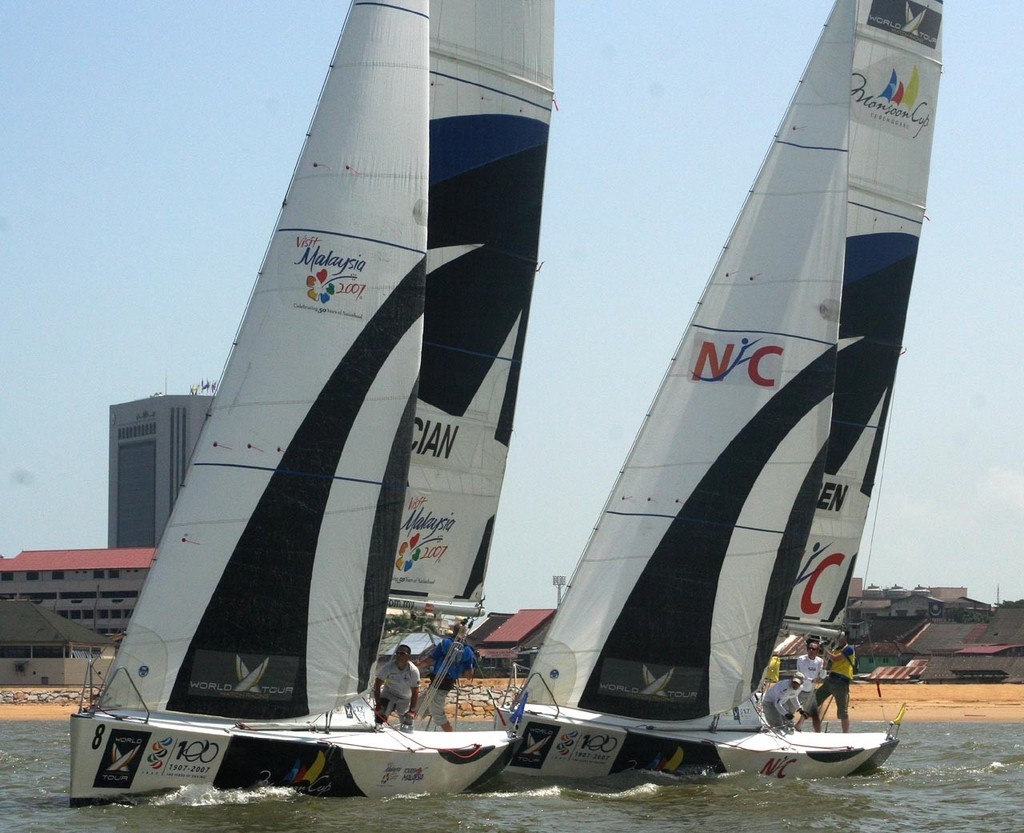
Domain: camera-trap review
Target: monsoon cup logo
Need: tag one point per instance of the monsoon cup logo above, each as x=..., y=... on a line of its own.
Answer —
x=893, y=97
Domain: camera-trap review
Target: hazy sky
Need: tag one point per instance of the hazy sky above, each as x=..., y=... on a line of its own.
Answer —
x=145, y=148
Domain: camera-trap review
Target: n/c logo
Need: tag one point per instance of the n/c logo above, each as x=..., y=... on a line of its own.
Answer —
x=711, y=365
x=777, y=766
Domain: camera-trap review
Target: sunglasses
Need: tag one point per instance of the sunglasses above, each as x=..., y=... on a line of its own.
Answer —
x=402, y=654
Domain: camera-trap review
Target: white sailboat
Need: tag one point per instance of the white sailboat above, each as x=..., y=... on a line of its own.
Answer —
x=490, y=108
x=675, y=606
x=256, y=633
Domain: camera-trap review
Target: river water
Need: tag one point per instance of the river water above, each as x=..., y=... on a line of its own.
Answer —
x=943, y=776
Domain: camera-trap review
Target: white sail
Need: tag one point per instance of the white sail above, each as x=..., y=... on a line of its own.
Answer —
x=277, y=556
x=674, y=606
x=894, y=87
x=490, y=106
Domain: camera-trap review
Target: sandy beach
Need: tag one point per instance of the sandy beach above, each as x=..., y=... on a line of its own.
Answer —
x=994, y=703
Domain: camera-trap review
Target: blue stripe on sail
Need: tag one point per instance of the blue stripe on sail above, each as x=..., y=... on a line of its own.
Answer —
x=868, y=254
x=495, y=90
x=810, y=147
x=462, y=143
x=352, y=237
x=295, y=472
x=915, y=220
x=500, y=358
x=764, y=333
x=389, y=6
x=698, y=521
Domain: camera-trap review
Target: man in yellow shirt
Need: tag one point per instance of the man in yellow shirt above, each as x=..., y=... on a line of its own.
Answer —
x=840, y=675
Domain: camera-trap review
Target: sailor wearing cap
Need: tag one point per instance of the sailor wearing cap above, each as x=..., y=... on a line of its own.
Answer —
x=782, y=700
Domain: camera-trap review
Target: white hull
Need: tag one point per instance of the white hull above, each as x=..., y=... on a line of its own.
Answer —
x=569, y=743
x=118, y=756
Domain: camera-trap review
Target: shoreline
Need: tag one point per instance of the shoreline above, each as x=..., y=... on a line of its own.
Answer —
x=869, y=702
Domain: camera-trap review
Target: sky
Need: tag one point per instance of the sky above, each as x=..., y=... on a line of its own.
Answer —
x=146, y=147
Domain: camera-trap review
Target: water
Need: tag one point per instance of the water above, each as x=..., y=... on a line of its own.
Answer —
x=944, y=776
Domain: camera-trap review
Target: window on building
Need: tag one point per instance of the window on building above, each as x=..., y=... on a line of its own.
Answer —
x=98, y=574
x=57, y=574
x=113, y=574
x=6, y=576
x=32, y=575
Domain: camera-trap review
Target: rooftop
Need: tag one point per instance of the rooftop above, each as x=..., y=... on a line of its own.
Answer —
x=133, y=558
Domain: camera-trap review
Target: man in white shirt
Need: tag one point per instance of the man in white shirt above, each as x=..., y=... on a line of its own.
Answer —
x=812, y=666
x=782, y=700
x=397, y=687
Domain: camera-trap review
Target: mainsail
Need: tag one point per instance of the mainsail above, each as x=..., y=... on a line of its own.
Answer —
x=674, y=607
x=269, y=589
x=897, y=62
x=490, y=106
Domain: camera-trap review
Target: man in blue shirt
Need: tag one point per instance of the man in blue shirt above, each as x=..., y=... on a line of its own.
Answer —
x=451, y=659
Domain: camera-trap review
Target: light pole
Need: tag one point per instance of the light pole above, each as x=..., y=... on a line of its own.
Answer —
x=559, y=583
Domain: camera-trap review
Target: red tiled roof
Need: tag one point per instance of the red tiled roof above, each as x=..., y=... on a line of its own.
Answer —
x=123, y=559
x=984, y=649
x=519, y=627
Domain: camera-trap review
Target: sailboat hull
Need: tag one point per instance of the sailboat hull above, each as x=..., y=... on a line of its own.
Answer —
x=118, y=757
x=568, y=743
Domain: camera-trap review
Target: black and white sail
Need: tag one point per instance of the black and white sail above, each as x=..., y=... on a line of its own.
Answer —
x=270, y=585
x=894, y=89
x=673, y=610
x=490, y=107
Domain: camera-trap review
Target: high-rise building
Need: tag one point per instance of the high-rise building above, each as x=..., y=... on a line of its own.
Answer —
x=151, y=441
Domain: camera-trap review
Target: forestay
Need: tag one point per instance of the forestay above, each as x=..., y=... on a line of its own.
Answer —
x=894, y=86
x=270, y=585
x=674, y=607
x=490, y=106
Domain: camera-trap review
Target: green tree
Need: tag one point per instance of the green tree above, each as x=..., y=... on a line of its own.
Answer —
x=410, y=621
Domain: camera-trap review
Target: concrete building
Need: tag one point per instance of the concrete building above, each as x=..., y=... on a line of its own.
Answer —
x=96, y=589
x=151, y=441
